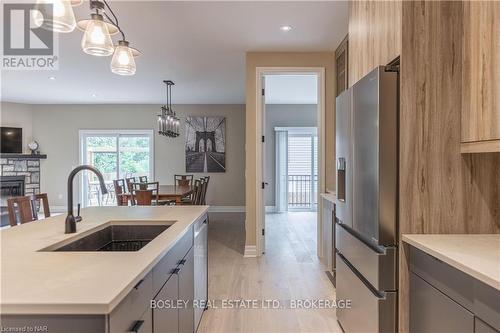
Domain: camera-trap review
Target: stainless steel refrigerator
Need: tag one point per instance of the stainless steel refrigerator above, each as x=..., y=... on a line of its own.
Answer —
x=367, y=203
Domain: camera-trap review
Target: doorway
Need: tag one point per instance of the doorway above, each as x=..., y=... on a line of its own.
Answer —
x=291, y=111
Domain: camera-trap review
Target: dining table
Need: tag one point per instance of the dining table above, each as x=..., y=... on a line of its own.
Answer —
x=170, y=192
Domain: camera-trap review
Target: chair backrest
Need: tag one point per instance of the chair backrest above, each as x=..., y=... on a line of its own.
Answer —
x=25, y=209
x=143, y=179
x=198, y=199
x=142, y=197
x=205, y=187
x=44, y=200
x=183, y=180
x=152, y=187
x=129, y=182
x=120, y=191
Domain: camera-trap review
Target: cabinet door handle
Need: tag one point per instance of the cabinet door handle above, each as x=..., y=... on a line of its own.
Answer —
x=137, y=326
x=176, y=270
x=181, y=262
x=138, y=284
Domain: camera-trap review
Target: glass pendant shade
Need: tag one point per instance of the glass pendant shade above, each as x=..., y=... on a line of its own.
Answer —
x=55, y=15
x=96, y=40
x=123, y=62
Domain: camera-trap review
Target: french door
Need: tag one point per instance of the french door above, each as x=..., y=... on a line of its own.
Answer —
x=118, y=154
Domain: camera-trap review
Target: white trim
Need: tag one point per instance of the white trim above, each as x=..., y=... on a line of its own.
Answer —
x=270, y=209
x=298, y=130
x=250, y=251
x=259, y=207
x=226, y=209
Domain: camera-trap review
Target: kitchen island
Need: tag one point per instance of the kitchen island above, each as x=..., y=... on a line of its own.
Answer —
x=47, y=283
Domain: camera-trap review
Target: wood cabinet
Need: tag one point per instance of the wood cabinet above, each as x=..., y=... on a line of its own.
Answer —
x=374, y=35
x=481, y=77
x=342, y=65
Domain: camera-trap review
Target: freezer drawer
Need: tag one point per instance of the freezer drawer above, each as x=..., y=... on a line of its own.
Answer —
x=371, y=311
x=432, y=311
x=378, y=267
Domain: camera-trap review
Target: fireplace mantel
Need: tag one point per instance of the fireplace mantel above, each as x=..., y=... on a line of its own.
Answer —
x=24, y=156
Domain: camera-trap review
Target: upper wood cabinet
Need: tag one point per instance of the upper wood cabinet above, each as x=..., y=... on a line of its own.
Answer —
x=342, y=64
x=374, y=35
x=481, y=77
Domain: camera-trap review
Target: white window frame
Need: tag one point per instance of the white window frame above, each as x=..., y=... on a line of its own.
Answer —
x=83, y=134
x=312, y=131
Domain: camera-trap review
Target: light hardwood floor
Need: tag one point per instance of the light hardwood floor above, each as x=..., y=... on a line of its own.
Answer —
x=288, y=271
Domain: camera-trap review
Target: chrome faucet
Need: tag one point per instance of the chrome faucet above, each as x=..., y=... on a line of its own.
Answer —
x=70, y=225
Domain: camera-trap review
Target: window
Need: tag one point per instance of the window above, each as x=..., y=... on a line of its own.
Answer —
x=117, y=154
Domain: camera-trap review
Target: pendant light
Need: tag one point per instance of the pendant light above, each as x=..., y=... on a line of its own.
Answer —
x=55, y=15
x=168, y=123
x=96, y=39
x=123, y=62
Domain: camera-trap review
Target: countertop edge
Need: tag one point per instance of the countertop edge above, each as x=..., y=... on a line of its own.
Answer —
x=452, y=262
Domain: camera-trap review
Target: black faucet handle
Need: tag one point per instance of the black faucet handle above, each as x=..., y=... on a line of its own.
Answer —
x=78, y=218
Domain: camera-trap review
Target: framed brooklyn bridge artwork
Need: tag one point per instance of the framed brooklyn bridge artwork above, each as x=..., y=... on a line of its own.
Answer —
x=205, y=144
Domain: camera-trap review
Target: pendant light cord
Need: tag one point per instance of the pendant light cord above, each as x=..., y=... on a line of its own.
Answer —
x=115, y=22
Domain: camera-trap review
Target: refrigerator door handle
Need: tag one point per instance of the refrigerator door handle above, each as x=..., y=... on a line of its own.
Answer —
x=367, y=284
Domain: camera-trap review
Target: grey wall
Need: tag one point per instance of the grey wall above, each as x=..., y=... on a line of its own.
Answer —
x=18, y=115
x=283, y=115
x=56, y=128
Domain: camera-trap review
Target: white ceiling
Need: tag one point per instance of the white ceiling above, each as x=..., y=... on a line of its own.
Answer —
x=291, y=89
x=199, y=45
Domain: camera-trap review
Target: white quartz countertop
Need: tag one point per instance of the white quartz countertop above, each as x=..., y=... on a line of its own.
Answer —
x=476, y=255
x=41, y=282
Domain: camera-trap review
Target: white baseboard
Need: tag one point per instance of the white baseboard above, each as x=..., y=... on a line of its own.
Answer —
x=270, y=209
x=250, y=251
x=212, y=209
x=226, y=209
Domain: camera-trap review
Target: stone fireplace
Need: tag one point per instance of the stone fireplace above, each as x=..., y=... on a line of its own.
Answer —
x=19, y=175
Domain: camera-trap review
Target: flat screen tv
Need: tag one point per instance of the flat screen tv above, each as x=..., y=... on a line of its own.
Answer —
x=11, y=140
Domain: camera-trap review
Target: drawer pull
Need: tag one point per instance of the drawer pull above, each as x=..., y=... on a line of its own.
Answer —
x=138, y=284
x=181, y=262
x=137, y=326
x=176, y=271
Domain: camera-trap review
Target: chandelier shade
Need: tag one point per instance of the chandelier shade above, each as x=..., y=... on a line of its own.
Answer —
x=123, y=62
x=96, y=40
x=54, y=15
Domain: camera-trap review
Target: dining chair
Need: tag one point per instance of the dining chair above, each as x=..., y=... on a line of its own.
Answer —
x=143, y=179
x=204, y=193
x=142, y=197
x=193, y=198
x=25, y=209
x=154, y=188
x=183, y=180
x=129, y=182
x=120, y=192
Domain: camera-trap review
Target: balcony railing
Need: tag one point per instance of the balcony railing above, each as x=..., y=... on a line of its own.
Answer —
x=302, y=191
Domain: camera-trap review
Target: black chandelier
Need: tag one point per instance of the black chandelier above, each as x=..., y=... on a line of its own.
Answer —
x=168, y=123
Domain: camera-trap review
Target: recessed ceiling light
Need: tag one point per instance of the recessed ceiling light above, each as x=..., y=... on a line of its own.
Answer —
x=94, y=95
x=286, y=28
x=52, y=77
